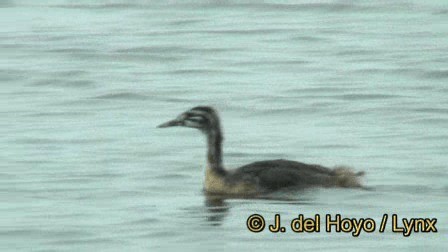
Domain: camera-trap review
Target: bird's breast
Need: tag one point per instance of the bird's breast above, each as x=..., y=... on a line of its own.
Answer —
x=216, y=183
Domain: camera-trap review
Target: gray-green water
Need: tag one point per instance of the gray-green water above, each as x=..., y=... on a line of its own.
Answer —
x=84, y=84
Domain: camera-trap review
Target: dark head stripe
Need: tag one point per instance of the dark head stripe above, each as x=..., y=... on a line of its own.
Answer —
x=207, y=113
x=205, y=109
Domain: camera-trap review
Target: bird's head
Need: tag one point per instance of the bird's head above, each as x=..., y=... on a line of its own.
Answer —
x=204, y=118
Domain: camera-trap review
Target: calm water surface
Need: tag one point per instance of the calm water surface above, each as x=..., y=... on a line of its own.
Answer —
x=84, y=84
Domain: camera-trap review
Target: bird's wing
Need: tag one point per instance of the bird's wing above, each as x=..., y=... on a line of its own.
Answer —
x=275, y=174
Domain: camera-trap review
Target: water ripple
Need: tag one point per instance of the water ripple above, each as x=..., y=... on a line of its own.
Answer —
x=439, y=74
x=122, y=96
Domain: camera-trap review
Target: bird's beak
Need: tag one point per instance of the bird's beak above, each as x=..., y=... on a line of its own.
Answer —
x=175, y=122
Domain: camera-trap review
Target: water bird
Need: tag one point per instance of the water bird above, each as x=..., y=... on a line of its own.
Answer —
x=259, y=177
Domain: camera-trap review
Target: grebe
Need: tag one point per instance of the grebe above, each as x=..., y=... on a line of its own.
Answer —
x=258, y=177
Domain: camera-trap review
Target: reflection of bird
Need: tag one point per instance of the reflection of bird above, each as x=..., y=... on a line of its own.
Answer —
x=258, y=177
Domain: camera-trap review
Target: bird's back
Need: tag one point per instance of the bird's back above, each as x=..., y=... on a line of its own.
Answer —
x=280, y=173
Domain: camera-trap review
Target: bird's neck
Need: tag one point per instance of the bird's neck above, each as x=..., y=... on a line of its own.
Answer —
x=214, y=150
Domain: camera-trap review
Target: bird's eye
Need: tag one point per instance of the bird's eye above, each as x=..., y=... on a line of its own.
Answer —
x=196, y=119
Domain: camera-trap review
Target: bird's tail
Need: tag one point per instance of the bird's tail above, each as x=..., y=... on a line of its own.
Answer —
x=344, y=176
